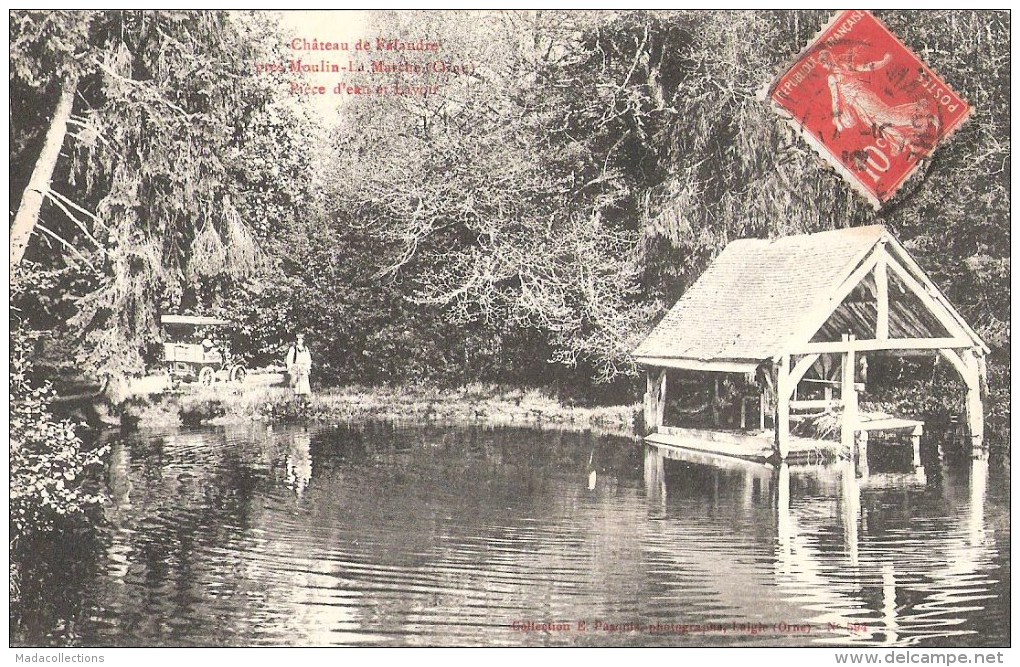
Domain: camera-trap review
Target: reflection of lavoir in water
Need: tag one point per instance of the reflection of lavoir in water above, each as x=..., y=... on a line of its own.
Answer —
x=911, y=125
x=434, y=535
x=861, y=595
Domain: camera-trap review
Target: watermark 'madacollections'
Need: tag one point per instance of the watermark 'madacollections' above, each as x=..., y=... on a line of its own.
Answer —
x=58, y=657
x=867, y=104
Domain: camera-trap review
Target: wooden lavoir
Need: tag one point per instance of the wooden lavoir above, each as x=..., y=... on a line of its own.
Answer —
x=788, y=326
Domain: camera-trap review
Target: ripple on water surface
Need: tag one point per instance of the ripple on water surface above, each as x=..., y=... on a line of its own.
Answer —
x=474, y=536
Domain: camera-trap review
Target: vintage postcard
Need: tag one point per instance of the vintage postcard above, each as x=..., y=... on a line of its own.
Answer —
x=510, y=328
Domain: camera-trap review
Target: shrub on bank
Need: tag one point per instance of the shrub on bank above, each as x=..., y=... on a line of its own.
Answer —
x=49, y=491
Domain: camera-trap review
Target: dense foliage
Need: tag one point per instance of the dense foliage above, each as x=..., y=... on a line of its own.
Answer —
x=49, y=463
x=527, y=223
x=582, y=179
x=147, y=202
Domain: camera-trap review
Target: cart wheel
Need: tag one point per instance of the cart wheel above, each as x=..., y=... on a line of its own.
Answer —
x=238, y=374
x=206, y=375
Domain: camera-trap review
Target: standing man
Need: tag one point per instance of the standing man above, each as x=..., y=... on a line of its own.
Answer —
x=299, y=365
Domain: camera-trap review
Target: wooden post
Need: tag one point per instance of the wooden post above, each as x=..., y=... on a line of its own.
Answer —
x=715, y=399
x=660, y=417
x=975, y=409
x=783, y=393
x=849, y=396
x=882, y=298
x=915, y=444
x=655, y=399
x=651, y=396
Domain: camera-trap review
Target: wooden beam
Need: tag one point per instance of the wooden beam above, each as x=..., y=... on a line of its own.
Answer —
x=814, y=320
x=660, y=415
x=954, y=359
x=849, y=395
x=882, y=299
x=975, y=408
x=802, y=367
x=693, y=445
x=768, y=395
x=721, y=366
x=938, y=310
x=908, y=261
x=814, y=403
x=651, y=409
x=867, y=345
x=968, y=365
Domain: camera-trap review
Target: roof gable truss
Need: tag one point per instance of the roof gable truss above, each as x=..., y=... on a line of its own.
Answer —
x=873, y=276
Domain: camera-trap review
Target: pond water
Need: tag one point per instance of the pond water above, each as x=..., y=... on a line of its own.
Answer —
x=385, y=535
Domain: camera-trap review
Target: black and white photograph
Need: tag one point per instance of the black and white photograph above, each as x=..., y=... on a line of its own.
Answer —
x=510, y=328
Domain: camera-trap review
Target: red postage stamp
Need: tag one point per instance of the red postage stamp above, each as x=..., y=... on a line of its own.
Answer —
x=867, y=104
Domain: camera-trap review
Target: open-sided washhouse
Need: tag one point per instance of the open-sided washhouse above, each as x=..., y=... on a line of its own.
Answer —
x=791, y=322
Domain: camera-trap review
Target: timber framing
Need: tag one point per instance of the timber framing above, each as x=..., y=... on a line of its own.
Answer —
x=807, y=311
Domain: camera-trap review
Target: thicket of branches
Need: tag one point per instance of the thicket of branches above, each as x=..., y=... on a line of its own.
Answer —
x=526, y=224
x=589, y=170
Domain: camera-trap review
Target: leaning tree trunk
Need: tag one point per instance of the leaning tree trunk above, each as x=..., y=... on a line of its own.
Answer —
x=38, y=185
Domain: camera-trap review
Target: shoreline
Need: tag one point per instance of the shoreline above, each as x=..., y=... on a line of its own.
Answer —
x=475, y=404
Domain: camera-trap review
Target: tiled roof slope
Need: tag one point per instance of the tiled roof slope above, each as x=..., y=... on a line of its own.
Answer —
x=752, y=297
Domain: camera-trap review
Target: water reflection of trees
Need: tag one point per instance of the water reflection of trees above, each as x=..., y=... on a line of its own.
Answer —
x=440, y=529
x=389, y=534
x=179, y=521
x=342, y=535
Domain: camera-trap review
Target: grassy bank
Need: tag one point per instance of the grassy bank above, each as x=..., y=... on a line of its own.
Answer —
x=473, y=404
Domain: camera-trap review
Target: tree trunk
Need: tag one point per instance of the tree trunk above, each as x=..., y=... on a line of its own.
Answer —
x=32, y=199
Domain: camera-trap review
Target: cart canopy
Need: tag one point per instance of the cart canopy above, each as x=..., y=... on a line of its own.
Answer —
x=194, y=320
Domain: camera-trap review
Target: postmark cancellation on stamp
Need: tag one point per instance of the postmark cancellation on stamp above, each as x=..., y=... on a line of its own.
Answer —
x=867, y=104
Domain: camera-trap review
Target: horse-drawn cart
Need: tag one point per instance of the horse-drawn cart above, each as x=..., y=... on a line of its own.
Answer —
x=205, y=362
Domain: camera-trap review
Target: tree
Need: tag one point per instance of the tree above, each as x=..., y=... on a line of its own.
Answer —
x=498, y=227
x=32, y=199
x=159, y=101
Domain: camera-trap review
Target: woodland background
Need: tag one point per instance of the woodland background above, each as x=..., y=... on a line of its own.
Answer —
x=526, y=226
